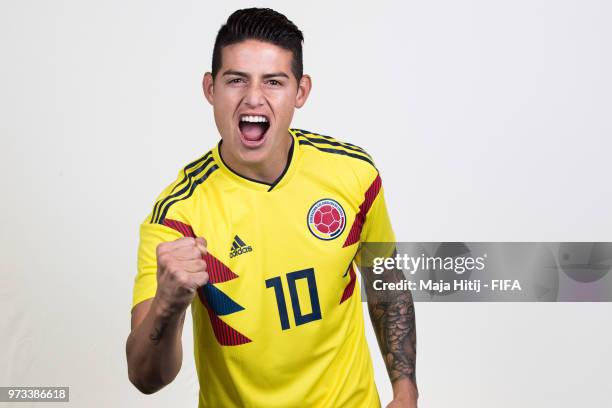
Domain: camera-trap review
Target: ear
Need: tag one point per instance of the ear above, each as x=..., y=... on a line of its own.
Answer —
x=207, y=86
x=304, y=87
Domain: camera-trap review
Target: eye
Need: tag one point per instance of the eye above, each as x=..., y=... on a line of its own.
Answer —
x=274, y=82
x=235, y=81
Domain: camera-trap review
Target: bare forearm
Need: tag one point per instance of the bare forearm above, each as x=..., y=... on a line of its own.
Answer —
x=154, y=350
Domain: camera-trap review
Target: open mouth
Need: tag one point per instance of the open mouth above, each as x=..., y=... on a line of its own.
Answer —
x=253, y=129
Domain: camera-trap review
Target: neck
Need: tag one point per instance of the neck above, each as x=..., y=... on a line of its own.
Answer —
x=267, y=171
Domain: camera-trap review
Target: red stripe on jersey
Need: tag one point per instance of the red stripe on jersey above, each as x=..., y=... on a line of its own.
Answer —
x=181, y=227
x=350, y=287
x=370, y=194
x=217, y=272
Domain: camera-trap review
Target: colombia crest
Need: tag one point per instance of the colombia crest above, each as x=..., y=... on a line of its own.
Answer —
x=326, y=219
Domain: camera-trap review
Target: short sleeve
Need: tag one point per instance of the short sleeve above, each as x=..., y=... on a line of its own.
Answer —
x=377, y=226
x=151, y=235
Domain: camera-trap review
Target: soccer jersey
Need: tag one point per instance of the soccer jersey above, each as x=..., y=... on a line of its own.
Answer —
x=280, y=322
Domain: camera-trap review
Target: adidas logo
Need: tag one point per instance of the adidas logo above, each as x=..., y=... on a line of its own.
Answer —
x=239, y=247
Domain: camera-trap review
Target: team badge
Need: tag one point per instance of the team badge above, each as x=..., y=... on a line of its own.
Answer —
x=326, y=219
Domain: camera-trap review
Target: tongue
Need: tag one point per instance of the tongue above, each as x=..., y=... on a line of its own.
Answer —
x=252, y=131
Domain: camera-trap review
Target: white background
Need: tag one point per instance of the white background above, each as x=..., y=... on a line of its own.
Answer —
x=489, y=121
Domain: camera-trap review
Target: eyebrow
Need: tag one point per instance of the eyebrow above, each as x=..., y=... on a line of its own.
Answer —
x=265, y=76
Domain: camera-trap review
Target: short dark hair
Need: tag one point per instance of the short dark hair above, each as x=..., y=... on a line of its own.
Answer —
x=262, y=24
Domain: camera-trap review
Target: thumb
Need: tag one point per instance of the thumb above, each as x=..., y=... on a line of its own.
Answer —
x=201, y=245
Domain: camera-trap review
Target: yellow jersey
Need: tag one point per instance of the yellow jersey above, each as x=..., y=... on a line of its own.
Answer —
x=280, y=322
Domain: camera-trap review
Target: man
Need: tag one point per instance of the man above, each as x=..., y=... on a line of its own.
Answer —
x=260, y=236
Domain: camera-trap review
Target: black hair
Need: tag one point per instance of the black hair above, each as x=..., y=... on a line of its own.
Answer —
x=262, y=24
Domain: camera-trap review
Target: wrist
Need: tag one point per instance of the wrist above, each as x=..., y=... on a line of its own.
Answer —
x=404, y=388
x=163, y=312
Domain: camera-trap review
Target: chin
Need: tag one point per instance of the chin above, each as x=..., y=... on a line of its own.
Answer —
x=250, y=155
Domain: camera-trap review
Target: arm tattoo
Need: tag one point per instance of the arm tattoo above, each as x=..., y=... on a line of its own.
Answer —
x=392, y=315
x=157, y=335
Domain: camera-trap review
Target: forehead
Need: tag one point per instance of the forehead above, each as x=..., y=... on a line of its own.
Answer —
x=255, y=56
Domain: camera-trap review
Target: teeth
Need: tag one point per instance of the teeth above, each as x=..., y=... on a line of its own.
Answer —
x=248, y=118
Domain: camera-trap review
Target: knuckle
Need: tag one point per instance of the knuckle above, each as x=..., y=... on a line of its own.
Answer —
x=174, y=269
x=162, y=259
x=182, y=281
x=160, y=248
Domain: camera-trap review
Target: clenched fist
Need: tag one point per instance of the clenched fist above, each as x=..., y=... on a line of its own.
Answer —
x=181, y=270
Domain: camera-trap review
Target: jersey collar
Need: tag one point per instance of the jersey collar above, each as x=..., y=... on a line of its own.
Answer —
x=280, y=182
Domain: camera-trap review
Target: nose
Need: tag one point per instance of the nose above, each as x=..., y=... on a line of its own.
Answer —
x=254, y=96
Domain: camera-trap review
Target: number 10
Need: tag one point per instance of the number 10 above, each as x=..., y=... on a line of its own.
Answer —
x=292, y=277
